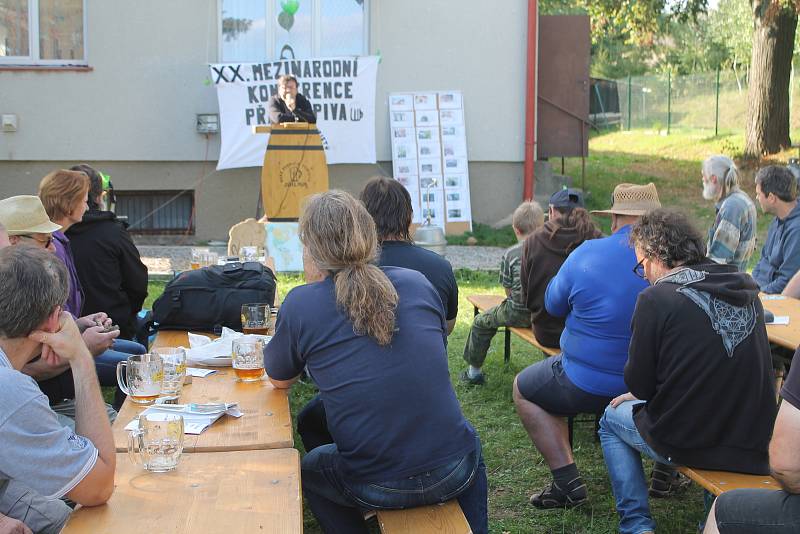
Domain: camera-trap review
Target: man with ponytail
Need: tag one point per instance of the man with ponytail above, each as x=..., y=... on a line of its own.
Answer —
x=732, y=237
x=373, y=341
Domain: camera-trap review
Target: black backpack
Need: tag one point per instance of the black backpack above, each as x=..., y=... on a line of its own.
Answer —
x=209, y=298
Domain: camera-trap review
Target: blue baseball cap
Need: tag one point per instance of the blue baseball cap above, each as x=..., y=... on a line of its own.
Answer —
x=567, y=198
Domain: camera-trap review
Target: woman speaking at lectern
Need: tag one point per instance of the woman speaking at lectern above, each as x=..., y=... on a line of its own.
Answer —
x=289, y=105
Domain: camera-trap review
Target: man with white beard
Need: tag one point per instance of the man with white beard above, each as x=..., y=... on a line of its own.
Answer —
x=732, y=237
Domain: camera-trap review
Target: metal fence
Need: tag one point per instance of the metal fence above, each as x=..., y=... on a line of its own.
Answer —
x=711, y=101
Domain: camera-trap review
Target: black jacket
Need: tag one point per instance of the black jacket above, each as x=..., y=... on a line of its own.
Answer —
x=113, y=277
x=699, y=355
x=303, y=112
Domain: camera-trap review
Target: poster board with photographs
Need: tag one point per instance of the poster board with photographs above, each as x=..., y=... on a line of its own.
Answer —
x=429, y=156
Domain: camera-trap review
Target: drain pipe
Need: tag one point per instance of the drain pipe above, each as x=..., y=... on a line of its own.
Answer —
x=531, y=99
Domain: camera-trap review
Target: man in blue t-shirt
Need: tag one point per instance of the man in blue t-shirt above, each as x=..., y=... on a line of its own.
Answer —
x=595, y=290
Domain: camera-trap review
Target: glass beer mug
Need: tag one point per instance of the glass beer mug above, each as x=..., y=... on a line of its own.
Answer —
x=174, y=362
x=157, y=443
x=140, y=377
x=248, y=358
x=255, y=318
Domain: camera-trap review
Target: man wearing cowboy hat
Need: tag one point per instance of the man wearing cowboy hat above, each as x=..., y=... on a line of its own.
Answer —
x=595, y=290
x=26, y=221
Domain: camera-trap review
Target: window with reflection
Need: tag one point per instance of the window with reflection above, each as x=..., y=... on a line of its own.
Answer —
x=258, y=30
x=42, y=32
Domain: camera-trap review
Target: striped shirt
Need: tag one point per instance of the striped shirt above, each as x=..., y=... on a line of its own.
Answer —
x=732, y=238
x=510, y=267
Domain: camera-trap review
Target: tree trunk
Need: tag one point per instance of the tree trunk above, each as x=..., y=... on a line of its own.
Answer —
x=768, y=94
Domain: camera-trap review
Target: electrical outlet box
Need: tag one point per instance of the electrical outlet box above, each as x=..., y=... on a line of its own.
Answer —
x=9, y=122
x=207, y=123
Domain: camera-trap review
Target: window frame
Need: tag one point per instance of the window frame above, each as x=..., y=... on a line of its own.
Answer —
x=316, y=31
x=34, y=59
x=151, y=195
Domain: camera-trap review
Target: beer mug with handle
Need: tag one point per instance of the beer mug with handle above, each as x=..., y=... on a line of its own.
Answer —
x=174, y=361
x=248, y=358
x=140, y=377
x=157, y=442
x=255, y=318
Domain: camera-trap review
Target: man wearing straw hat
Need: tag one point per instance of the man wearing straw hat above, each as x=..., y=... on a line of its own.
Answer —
x=595, y=290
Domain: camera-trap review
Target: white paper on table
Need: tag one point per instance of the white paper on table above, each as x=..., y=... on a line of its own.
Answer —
x=194, y=421
x=780, y=320
x=773, y=297
x=199, y=373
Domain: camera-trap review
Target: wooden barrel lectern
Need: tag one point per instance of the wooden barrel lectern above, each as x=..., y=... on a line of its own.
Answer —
x=294, y=168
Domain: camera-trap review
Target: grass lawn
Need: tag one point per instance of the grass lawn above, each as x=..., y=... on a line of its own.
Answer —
x=515, y=469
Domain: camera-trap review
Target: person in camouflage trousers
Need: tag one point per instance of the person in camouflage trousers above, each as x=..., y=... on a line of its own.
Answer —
x=512, y=311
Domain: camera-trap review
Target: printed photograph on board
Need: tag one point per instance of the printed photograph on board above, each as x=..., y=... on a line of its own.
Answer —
x=450, y=100
x=401, y=102
x=427, y=118
x=451, y=116
x=425, y=101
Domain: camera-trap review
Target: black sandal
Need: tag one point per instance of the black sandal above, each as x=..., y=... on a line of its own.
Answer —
x=665, y=481
x=553, y=496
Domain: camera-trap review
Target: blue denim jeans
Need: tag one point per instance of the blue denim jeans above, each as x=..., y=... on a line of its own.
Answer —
x=106, y=363
x=622, y=449
x=337, y=502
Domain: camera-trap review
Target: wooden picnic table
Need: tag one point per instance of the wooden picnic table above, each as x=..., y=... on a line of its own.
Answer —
x=230, y=492
x=787, y=336
x=266, y=423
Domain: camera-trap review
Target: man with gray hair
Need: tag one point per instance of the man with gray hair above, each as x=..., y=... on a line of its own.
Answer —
x=42, y=460
x=776, y=192
x=732, y=237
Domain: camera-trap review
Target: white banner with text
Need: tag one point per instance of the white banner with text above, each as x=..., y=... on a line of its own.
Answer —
x=341, y=91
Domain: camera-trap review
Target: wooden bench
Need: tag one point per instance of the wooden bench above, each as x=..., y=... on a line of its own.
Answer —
x=717, y=482
x=444, y=518
x=482, y=303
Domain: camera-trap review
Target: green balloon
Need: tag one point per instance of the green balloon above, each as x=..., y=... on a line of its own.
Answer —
x=286, y=20
x=290, y=6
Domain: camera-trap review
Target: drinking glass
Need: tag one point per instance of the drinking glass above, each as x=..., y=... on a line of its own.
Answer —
x=255, y=318
x=248, y=358
x=248, y=253
x=140, y=377
x=174, y=359
x=197, y=257
x=157, y=443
